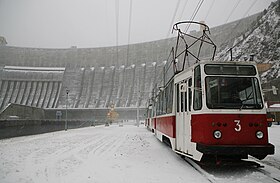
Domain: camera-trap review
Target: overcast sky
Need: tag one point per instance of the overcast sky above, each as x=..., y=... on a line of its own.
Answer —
x=92, y=23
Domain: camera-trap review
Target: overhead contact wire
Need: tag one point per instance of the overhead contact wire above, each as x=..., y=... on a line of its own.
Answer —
x=129, y=31
x=173, y=18
x=210, y=8
x=198, y=6
x=247, y=11
x=117, y=30
x=235, y=6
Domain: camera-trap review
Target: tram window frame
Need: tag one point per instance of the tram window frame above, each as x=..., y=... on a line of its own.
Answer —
x=197, y=96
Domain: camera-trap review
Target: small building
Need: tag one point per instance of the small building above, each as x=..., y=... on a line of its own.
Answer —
x=275, y=110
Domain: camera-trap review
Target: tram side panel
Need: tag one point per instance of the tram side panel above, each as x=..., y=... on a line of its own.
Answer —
x=151, y=124
x=166, y=130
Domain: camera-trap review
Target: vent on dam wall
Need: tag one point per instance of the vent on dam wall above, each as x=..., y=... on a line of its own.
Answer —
x=30, y=86
x=100, y=87
x=89, y=87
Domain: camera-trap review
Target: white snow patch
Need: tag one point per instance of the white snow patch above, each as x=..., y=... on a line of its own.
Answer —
x=111, y=154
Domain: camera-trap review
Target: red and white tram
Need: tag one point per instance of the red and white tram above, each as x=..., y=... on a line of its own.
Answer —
x=212, y=109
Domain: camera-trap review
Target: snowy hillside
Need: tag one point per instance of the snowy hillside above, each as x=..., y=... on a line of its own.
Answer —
x=262, y=39
x=273, y=73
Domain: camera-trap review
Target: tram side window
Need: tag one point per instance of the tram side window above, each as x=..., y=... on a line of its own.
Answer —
x=162, y=101
x=157, y=106
x=153, y=110
x=169, y=97
x=149, y=113
x=161, y=104
x=177, y=97
x=258, y=93
x=197, y=105
x=190, y=93
x=163, y=107
x=186, y=99
x=182, y=101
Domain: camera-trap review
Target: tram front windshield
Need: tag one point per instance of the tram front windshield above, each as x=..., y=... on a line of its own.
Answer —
x=233, y=93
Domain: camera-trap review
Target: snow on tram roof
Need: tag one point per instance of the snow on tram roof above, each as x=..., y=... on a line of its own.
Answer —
x=275, y=105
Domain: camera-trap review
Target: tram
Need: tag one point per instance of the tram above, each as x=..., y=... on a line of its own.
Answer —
x=211, y=110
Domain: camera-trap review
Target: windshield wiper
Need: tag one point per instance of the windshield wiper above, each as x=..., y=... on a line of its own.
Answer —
x=251, y=106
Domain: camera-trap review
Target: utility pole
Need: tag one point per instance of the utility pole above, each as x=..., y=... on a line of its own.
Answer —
x=137, y=114
x=66, y=116
x=138, y=103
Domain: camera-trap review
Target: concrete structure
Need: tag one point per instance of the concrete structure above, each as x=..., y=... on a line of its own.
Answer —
x=95, y=77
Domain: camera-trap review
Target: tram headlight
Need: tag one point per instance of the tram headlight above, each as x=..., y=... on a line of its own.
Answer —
x=259, y=134
x=217, y=134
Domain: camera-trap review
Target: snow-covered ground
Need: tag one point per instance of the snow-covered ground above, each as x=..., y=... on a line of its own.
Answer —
x=112, y=154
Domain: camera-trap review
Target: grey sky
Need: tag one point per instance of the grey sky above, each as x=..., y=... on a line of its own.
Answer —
x=92, y=23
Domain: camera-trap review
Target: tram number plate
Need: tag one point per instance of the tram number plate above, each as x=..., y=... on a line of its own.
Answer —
x=238, y=125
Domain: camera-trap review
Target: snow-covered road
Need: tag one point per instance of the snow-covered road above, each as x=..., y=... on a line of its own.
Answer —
x=109, y=154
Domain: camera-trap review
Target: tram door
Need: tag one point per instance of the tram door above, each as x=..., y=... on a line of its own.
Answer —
x=183, y=109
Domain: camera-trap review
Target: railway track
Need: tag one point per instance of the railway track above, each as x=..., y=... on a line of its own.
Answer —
x=249, y=167
x=265, y=172
x=206, y=175
x=268, y=174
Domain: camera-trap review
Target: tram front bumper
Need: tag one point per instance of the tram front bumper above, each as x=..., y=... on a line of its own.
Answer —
x=232, y=150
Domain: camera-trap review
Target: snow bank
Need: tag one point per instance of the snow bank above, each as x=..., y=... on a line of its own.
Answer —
x=95, y=154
